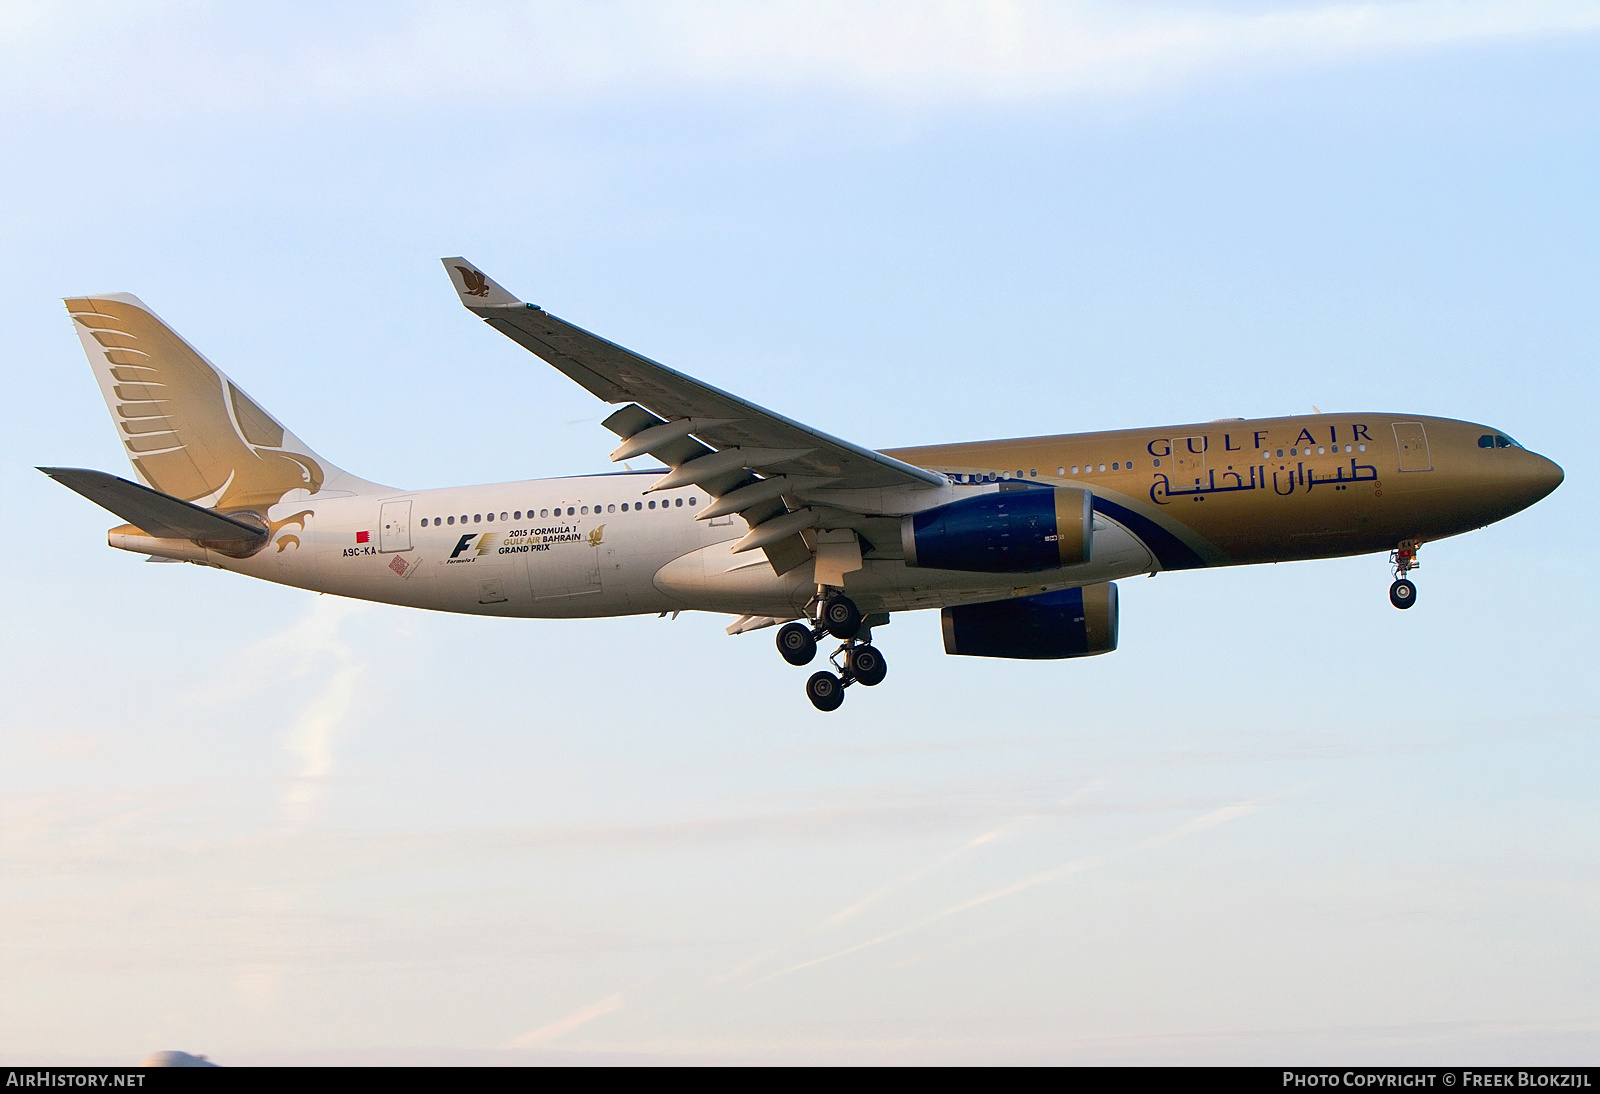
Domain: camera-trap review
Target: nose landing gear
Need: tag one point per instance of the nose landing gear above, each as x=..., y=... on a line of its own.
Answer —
x=856, y=660
x=1403, y=559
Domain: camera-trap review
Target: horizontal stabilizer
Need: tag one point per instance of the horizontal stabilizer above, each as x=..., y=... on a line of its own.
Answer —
x=158, y=514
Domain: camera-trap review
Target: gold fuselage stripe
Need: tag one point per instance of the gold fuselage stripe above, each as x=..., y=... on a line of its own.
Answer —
x=1274, y=489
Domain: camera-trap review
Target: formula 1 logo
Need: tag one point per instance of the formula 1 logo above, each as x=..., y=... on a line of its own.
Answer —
x=486, y=540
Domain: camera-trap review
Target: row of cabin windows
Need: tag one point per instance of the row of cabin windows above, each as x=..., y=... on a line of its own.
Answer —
x=546, y=514
x=1033, y=473
x=1127, y=465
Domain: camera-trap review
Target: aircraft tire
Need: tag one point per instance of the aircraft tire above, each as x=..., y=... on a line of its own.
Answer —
x=866, y=665
x=1402, y=594
x=796, y=643
x=825, y=690
x=841, y=617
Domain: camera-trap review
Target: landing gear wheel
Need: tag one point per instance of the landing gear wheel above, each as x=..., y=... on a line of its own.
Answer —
x=1402, y=594
x=841, y=617
x=825, y=690
x=796, y=643
x=866, y=665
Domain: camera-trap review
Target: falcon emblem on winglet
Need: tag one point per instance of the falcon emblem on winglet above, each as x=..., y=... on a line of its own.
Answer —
x=474, y=281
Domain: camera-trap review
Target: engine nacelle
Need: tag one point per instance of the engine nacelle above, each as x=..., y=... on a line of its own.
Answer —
x=1010, y=532
x=1070, y=623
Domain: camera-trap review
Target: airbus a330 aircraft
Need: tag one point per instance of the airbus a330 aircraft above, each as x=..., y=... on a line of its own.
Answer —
x=1016, y=542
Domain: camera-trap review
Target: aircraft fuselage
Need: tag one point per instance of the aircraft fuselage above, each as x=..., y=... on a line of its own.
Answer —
x=1214, y=494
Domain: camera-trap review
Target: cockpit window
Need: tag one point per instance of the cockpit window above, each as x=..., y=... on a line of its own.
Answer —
x=1497, y=440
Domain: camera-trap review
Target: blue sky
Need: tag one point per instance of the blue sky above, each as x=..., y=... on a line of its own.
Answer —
x=1282, y=823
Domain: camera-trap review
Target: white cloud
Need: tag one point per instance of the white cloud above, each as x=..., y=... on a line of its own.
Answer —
x=308, y=666
x=485, y=56
x=563, y=1026
x=1065, y=870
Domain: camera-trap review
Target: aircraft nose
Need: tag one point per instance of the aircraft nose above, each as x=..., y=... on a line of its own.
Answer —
x=1543, y=477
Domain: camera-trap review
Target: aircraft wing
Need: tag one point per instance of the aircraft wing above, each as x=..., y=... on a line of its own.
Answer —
x=157, y=514
x=746, y=456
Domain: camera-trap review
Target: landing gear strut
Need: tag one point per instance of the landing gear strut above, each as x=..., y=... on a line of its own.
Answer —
x=856, y=660
x=1403, y=559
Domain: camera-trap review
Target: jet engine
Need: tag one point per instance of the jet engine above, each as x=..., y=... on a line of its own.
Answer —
x=1009, y=532
x=1069, y=623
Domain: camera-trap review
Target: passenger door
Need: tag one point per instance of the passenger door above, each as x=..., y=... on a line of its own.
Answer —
x=394, y=527
x=1412, y=441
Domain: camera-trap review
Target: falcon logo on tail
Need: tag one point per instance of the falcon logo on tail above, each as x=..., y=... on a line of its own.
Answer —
x=476, y=285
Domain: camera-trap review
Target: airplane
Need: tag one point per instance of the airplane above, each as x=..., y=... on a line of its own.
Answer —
x=1017, y=543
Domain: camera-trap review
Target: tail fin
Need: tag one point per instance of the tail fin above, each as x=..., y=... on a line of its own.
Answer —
x=188, y=430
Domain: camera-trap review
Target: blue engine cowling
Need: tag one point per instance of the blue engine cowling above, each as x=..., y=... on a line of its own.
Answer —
x=1070, y=623
x=1009, y=532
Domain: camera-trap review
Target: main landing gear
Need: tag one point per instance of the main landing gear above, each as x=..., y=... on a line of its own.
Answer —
x=856, y=659
x=1403, y=559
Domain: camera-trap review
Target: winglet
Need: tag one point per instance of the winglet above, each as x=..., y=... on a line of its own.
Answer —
x=474, y=286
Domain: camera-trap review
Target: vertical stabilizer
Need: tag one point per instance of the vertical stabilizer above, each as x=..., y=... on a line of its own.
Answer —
x=188, y=430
